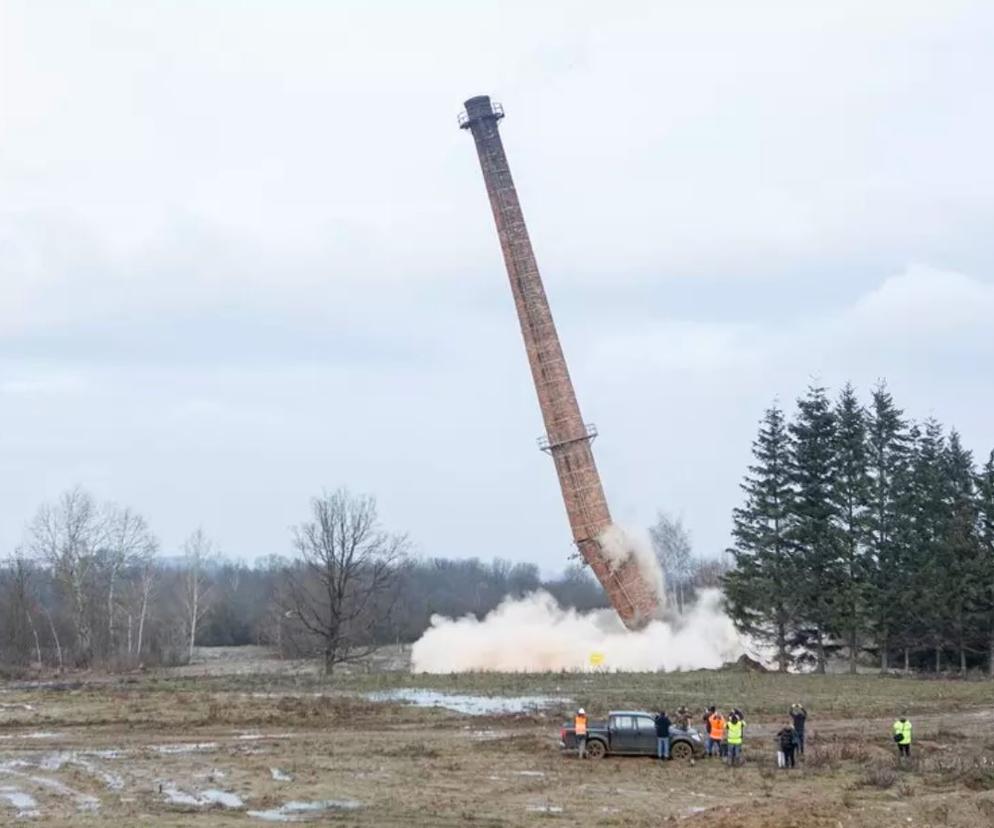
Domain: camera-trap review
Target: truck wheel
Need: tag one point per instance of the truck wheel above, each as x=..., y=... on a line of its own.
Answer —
x=596, y=750
x=682, y=750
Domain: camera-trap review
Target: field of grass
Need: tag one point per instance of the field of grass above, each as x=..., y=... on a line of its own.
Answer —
x=169, y=749
x=761, y=694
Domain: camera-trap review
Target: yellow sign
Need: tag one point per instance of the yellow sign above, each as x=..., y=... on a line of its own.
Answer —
x=596, y=659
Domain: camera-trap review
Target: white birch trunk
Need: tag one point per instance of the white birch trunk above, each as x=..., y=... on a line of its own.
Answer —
x=34, y=632
x=55, y=638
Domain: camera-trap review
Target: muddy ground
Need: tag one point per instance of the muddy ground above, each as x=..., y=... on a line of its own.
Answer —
x=174, y=749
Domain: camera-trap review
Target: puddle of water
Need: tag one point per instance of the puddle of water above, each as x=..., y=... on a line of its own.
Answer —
x=25, y=804
x=212, y=796
x=468, y=704
x=104, y=754
x=253, y=737
x=190, y=747
x=545, y=809
x=486, y=735
x=225, y=799
x=55, y=761
x=16, y=706
x=41, y=734
x=529, y=773
x=295, y=811
x=84, y=802
x=280, y=776
x=174, y=796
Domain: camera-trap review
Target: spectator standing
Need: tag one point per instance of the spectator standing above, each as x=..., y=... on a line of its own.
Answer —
x=735, y=728
x=902, y=735
x=580, y=725
x=786, y=745
x=716, y=732
x=799, y=716
x=662, y=735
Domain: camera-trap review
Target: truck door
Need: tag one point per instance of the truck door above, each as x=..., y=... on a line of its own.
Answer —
x=624, y=734
x=645, y=740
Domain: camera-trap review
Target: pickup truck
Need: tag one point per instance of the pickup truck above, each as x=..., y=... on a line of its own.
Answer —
x=631, y=733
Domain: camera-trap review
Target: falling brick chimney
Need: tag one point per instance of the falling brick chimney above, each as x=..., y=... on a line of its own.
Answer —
x=567, y=437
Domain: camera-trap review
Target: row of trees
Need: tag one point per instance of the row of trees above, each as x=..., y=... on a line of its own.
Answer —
x=89, y=587
x=864, y=531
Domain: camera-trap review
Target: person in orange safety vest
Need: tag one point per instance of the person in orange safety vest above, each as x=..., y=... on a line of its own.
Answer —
x=580, y=724
x=716, y=732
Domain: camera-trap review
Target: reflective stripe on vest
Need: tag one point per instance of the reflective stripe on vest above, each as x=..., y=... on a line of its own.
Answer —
x=903, y=729
x=735, y=732
x=581, y=725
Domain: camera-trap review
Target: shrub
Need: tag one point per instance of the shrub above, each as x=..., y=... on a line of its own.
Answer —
x=979, y=776
x=879, y=776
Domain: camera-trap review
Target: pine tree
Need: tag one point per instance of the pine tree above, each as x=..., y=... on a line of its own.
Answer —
x=984, y=595
x=927, y=503
x=888, y=459
x=814, y=533
x=960, y=549
x=851, y=496
x=759, y=590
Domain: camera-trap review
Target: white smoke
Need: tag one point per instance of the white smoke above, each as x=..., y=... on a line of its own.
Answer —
x=621, y=545
x=534, y=634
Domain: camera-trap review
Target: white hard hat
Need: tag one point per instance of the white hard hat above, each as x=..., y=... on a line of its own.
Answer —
x=582, y=712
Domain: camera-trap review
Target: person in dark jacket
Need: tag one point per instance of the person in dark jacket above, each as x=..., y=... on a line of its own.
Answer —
x=662, y=735
x=799, y=716
x=786, y=744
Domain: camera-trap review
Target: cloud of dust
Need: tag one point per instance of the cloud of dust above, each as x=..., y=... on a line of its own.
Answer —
x=621, y=545
x=535, y=634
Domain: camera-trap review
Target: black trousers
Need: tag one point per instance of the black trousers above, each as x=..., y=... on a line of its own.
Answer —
x=788, y=758
x=904, y=750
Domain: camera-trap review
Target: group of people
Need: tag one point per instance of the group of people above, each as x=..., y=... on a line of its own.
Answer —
x=790, y=739
x=725, y=735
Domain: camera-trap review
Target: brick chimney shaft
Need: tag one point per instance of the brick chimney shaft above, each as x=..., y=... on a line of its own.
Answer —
x=567, y=438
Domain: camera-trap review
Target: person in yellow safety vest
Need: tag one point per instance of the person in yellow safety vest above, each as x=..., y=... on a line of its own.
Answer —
x=580, y=725
x=902, y=735
x=734, y=727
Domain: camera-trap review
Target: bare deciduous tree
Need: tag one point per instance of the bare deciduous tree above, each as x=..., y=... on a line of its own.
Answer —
x=146, y=583
x=198, y=551
x=15, y=612
x=671, y=543
x=342, y=589
x=68, y=536
x=129, y=542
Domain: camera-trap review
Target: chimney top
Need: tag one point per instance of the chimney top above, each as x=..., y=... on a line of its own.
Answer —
x=478, y=109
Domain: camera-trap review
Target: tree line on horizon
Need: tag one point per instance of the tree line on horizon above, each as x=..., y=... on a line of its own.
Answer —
x=89, y=588
x=867, y=533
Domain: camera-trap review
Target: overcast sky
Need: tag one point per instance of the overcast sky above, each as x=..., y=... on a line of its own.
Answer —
x=246, y=253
